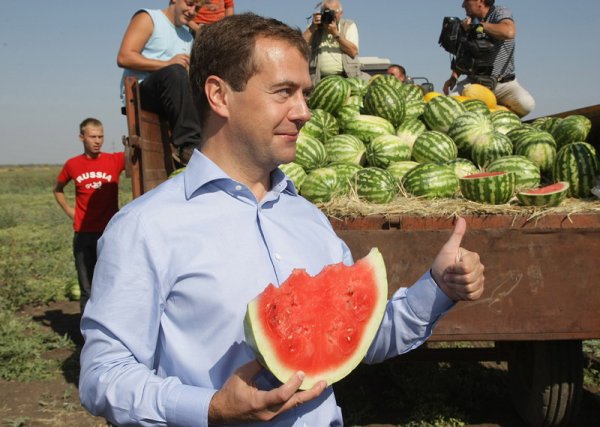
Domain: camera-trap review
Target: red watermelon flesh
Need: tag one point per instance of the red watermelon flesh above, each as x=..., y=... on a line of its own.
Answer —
x=548, y=196
x=322, y=325
x=552, y=188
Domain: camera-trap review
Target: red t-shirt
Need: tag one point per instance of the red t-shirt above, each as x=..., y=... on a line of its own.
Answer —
x=213, y=11
x=96, y=189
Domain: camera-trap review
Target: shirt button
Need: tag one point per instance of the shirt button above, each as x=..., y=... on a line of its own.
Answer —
x=278, y=257
x=238, y=187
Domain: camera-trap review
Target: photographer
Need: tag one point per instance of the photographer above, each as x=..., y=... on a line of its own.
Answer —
x=494, y=68
x=333, y=42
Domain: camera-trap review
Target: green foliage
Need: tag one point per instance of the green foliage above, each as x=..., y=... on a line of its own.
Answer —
x=22, y=344
x=36, y=267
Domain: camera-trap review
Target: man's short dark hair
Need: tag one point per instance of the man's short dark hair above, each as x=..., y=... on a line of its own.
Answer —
x=489, y=3
x=399, y=67
x=226, y=49
x=90, y=121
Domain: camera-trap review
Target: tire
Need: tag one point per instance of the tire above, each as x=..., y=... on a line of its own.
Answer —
x=546, y=380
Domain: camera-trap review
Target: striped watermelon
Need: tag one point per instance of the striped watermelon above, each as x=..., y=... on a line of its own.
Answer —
x=573, y=128
x=477, y=106
x=546, y=123
x=494, y=188
x=320, y=185
x=409, y=130
x=411, y=92
x=386, y=80
x=433, y=146
x=537, y=145
x=577, y=163
x=384, y=101
x=386, y=149
x=345, y=114
x=431, y=180
x=375, y=185
x=367, y=127
x=462, y=167
x=414, y=109
x=329, y=94
x=548, y=196
x=310, y=152
x=491, y=147
x=527, y=173
x=399, y=169
x=294, y=172
x=345, y=173
x=346, y=149
x=505, y=121
x=358, y=86
x=441, y=111
x=353, y=100
x=322, y=125
x=467, y=129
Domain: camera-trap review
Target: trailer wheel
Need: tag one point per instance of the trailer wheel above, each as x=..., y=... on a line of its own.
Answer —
x=546, y=380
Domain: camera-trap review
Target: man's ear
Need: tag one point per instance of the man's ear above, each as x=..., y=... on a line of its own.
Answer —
x=217, y=91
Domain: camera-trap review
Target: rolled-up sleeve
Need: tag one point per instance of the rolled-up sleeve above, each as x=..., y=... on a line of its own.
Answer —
x=409, y=319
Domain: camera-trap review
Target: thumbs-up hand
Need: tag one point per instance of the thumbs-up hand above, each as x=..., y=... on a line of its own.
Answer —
x=458, y=272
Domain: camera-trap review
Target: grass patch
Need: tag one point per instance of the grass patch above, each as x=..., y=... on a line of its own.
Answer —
x=23, y=344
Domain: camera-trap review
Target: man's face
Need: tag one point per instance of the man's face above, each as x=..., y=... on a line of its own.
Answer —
x=473, y=8
x=185, y=11
x=395, y=71
x=92, y=138
x=267, y=115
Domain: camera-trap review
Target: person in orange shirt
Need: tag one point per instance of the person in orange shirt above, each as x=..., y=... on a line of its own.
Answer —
x=211, y=12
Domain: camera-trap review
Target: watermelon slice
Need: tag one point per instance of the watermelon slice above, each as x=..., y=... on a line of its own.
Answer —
x=550, y=195
x=322, y=325
x=494, y=188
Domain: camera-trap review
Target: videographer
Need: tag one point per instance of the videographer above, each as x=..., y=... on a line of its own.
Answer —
x=494, y=68
x=333, y=42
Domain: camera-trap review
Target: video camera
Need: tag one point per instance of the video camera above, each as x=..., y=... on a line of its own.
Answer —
x=327, y=16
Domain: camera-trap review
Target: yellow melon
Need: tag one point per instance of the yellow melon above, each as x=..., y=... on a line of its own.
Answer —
x=460, y=98
x=500, y=108
x=430, y=95
x=477, y=91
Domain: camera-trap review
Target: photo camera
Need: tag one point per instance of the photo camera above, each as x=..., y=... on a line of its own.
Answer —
x=327, y=16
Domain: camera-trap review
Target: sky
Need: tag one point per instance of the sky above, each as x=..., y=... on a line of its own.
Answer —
x=58, y=59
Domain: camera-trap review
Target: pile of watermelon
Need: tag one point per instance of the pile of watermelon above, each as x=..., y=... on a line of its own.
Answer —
x=381, y=138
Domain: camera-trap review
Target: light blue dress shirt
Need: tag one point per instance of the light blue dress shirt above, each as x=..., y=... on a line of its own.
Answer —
x=164, y=326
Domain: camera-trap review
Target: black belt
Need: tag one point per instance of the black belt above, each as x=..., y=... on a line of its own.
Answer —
x=506, y=79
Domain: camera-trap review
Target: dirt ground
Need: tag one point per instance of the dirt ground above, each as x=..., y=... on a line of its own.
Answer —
x=56, y=402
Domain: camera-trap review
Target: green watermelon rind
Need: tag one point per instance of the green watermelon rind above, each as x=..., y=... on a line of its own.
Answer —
x=552, y=199
x=267, y=355
x=496, y=189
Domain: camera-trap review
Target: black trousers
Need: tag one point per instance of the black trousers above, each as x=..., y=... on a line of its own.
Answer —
x=168, y=92
x=84, y=251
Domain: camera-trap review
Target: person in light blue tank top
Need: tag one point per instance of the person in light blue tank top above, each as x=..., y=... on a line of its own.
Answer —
x=156, y=50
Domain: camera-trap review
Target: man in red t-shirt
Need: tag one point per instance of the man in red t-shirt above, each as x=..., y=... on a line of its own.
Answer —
x=211, y=12
x=96, y=177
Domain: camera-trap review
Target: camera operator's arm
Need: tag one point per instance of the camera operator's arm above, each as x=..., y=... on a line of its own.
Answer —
x=349, y=43
x=503, y=30
x=451, y=82
x=312, y=29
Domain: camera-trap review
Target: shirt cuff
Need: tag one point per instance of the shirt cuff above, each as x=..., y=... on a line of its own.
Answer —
x=188, y=406
x=427, y=300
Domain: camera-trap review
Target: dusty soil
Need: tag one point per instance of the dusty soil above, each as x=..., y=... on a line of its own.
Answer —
x=361, y=395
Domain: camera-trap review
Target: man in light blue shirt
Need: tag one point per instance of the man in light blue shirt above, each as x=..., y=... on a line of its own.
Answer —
x=164, y=339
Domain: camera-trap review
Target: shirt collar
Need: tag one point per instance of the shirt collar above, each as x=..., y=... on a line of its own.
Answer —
x=202, y=171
